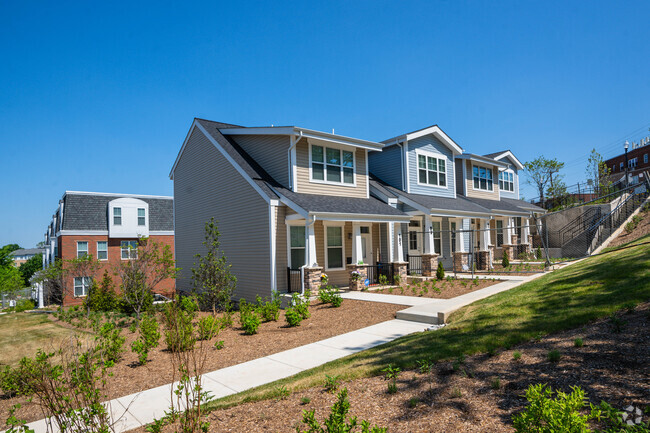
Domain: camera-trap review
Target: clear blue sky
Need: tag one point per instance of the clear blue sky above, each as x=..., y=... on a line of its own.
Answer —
x=98, y=96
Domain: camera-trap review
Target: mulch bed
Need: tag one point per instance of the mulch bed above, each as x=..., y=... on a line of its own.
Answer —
x=272, y=337
x=614, y=367
x=448, y=288
x=642, y=229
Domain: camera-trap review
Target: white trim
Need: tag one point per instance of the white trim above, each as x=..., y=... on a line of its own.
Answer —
x=112, y=194
x=105, y=232
x=433, y=130
x=162, y=232
x=367, y=176
x=87, y=248
x=406, y=161
x=333, y=216
x=341, y=224
x=486, y=179
x=325, y=164
x=453, y=174
x=482, y=160
x=97, y=250
x=437, y=156
x=272, y=240
x=512, y=157
x=309, y=133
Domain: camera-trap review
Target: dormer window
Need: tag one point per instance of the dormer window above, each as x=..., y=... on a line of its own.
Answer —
x=482, y=178
x=117, y=216
x=141, y=217
x=506, y=181
x=431, y=170
x=332, y=165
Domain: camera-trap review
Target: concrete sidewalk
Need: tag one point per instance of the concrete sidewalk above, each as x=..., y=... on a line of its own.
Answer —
x=142, y=408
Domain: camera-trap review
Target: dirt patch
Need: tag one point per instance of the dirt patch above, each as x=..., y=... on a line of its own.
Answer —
x=609, y=366
x=443, y=289
x=642, y=229
x=272, y=337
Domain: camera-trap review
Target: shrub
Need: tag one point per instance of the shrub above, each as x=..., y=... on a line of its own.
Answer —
x=505, y=261
x=179, y=330
x=305, y=400
x=280, y=392
x=337, y=300
x=546, y=414
x=218, y=345
x=293, y=316
x=103, y=296
x=391, y=374
x=440, y=272
x=337, y=420
x=110, y=342
x=516, y=355
x=208, y=327
x=24, y=305
x=495, y=383
x=616, y=323
x=9, y=381
x=301, y=304
x=397, y=279
x=331, y=383
x=250, y=322
x=413, y=402
x=269, y=310
x=538, y=253
x=383, y=280
x=148, y=338
x=424, y=365
x=554, y=355
x=578, y=342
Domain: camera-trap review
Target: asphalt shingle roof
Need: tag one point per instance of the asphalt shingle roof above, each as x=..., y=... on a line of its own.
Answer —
x=492, y=155
x=505, y=205
x=524, y=205
x=90, y=212
x=27, y=251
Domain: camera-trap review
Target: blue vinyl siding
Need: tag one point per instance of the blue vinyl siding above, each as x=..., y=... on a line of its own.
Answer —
x=387, y=165
x=428, y=143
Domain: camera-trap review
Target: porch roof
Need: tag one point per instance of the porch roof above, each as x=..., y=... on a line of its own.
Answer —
x=501, y=207
x=524, y=205
x=338, y=208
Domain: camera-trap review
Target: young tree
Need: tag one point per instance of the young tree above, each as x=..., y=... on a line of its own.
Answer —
x=540, y=173
x=599, y=173
x=28, y=268
x=54, y=279
x=212, y=277
x=86, y=266
x=150, y=263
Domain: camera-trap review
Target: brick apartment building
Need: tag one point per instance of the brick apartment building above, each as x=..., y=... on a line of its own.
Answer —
x=638, y=161
x=106, y=226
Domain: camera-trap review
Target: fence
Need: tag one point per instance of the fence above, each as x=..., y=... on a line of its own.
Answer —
x=374, y=272
x=294, y=280
x=9, y=300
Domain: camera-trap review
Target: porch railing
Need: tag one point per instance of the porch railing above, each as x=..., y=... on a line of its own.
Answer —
x=414, y=266
x=294, y=280
x=375, y=271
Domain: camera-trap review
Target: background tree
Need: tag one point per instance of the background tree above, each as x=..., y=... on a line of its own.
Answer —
x=10, y=280
x=5, y=254
x=151, y=263
x=212, y=278
x=540, y=172
x=41, y=244
x=30, y=267
x=599, y=173
x=54, y=278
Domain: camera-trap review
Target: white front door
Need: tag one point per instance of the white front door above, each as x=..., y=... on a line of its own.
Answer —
x=366, y=245
x=415, y=238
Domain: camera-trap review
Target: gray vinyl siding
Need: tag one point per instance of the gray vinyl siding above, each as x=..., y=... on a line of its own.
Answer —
x=387, y=165
x=305, y=186
x=429, y=143
x=445, y=255
x=383, y=242
x=270, y=152
x=281, y=260
x=206, y=185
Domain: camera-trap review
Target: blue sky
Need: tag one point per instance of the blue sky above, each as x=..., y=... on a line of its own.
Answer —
x=99, y=96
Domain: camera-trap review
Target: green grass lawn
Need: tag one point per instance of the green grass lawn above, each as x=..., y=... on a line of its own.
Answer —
x=564, y=299
x=22, y=334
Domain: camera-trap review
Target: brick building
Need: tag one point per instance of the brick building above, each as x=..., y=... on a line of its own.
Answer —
x=106, y=226
x=638, y=161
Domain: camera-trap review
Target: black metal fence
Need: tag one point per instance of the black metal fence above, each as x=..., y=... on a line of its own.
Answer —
x=374, y=273
x=294, y=280
x=414, y=266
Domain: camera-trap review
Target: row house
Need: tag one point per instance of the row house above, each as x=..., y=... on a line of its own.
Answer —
x=106, y=226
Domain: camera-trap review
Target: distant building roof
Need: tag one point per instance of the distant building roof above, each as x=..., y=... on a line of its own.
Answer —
x=28, y=252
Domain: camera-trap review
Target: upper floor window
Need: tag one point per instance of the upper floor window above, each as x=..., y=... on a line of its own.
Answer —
x=645, y=158
x=117, y=216
x=621, y=168
x=141, y=216
x=431, y=170
x=506, y=181
x=332, y=165
x=82, y=249
x=632, y=163
x=102, y=250
x=129, y=249
x=482, y=178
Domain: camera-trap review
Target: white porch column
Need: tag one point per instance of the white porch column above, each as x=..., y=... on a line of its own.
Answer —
x=357, y=253
x=525, y=230
x=507, y=232
x=398, y=249
x=391, y=240
x=460, y=238
x=429, y=247
x=310, y=244
x=485, y=235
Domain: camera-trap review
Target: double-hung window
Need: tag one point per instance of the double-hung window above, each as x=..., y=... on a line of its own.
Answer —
x=297, y=246
x=129, y=249
x=332, y=165
x=482, y=178
x=141, y=216
x=437, y=238
x=414, y=229
x=82, y=249
x=645, y=158
x=632, y=163
x=431, y=170
x=506, y=181
x=102, y=250
x=117, y=216
x=334, y=242
x=499, y=233
x=621, y=167
x=81, y=285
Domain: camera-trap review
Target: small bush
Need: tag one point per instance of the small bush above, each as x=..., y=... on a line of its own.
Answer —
x=538, y=253
x=148, y=338
x=413, y=402
x=616, y=323
x=269, y=310
x=110, y=342
x=578, y=342
x=305, y=400
x=208, y=327
x=331, y=383
x=383, y=280
x=495, y=383
x=516, y=355
x=301, y=305
x=219, y=345
x=505, y=260
x=9, y=381
x=250, y=322
x=179, y=330
x=554, y=355
x=440, y=272
x=102, y=297
x=424, y=365
x=280, y=392
x=292, y=316
x=24, y=305
x=456, y=392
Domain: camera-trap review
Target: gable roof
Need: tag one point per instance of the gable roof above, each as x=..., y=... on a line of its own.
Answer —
x=506, y=154
x=89, y=211
x=433, y=130
x=27, y=251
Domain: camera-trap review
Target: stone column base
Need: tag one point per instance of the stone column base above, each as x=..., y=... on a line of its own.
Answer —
x=461, y=261
x=482, y=260
x=429, y=265
x=525, y=248
x=514, y=240
x=510, y=250
x=399, y=268
x=312, y=278
x=357, y=283
x=492, y=250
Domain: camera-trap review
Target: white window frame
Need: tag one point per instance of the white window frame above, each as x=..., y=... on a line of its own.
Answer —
x=131, y=252
x=117, y=216
x=289, y=247
x=144, y=217
x=503, y=182
x=438, y=157
x=486, y=178
x=326, y=225
x=645, y=158
x=79, y=250
x=98, y=250
x=632, y=163
x=439, y=237
x=340, y=149
x=84, y=283
x=621, y=167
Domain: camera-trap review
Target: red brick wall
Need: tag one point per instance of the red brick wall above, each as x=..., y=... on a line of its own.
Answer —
x=68, y=250
x=614, y=163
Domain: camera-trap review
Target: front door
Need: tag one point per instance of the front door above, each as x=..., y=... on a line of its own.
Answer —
x=415, y=238
x=366, y=245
